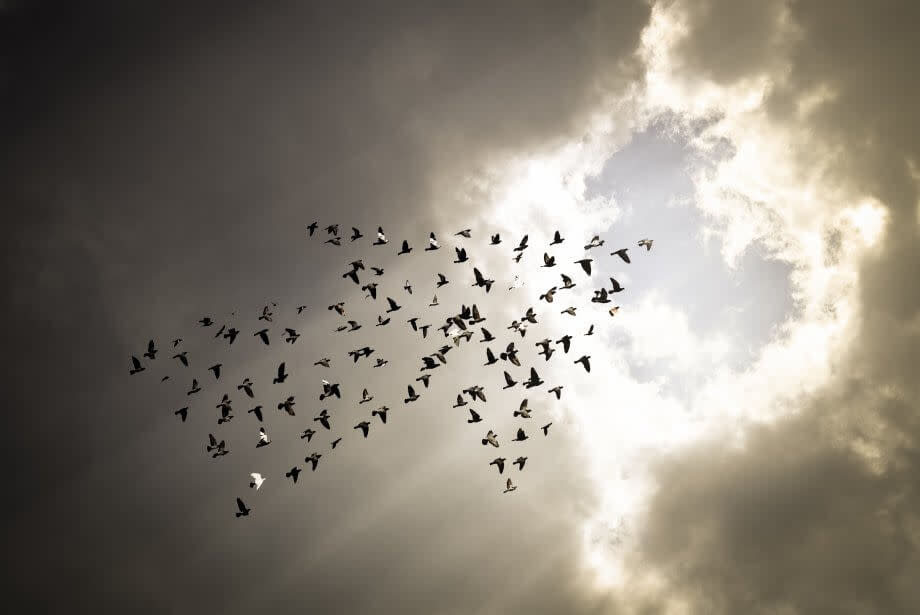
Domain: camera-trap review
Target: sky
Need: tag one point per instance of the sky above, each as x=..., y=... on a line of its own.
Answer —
x=746, y=440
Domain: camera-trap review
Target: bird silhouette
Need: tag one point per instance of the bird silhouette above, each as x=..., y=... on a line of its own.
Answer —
x=622, y=254
x=293, y=473
x=584, y=360
x=364, y=426
x=151, y=351
x=243, y=511
x=281, y=376
x=405, y=249
x=499, y=462
x=137, y=367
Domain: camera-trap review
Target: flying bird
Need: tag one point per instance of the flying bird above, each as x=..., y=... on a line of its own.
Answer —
x=548, y=295
x=381, y=237
x=266, y=314
x=257, y=411
x=365, y=397
x=595, y=242
x=569, y=310
x=520, y=461
x=243, y=511
x=616, y=286
x=182, y=358
x=382, y=413
x=566, y=282
x=424, y=378
x=137, y=367
x=496, y=239
x=460, y=402
x=614, y=310
x=293, y=473
x=481, y=280
x=585, y=264
x=355, y=234
x=312, y=228
x=371, y=289
x=405, y=249
x=622, y=254
x=324, y=362
x=509, y=487
x=332, y=229
x=509, y=382
x=521, y=436
x=263, y=335
x=523, y=411
x=151, y=351
x=393, y=305
x=263, y=438
x=257, y=480
x=490, y=438
x=195, y=388
x=182, y=413
x=545, y=429
x=215, y=369
x=307, y=434
x=323, y=418
x=486, y=336
x=301, y=308
x=499, y=462
x=377, y=270
x=474, y=417
x=647, y=243
x=412, y=396
x=557, y=239
x=364, y=426
x=292, y=336
x=464, y=233
x=313, y=459
x=548, y=261
x=523, y=245
x=534, y=380
x=442, y=280
x=557, y=391
x=287, y=405
x=206, y=322
x=336, y=442
x=461, y=255
x=245, y=386
x=585, y=362
x=432, y=243
x=407, y=287
x=231, y=335
x=281, y=376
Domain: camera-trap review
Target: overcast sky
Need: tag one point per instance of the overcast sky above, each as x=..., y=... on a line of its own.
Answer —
x=746, y=441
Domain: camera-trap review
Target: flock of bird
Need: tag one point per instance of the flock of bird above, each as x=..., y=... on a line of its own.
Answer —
x=456, y=329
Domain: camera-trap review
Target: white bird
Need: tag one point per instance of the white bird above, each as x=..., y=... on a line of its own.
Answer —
x=263, y=438
x=647, y=243
x=257, y=480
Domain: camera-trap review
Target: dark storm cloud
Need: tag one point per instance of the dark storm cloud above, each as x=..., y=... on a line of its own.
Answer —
x=159, y=163
x=797, y=521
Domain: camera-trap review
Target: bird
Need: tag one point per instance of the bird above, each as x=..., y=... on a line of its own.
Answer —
x=496, y=239
x=377, y=270
x=534, y=380
x=517, y=259
x=498, y=462
x=566, y=282
x=312, y=228
x=293, y=473
x=381, y=237
x=263, y=438
x=338, y=307
x=382, y=413
x=424, y=378
x=569, y=310
x=520, y=461
x=585, y=264
x=509, y=487
x=647, y=243
x=432, y=243
x=206, y=322
x=263, y=335
x=324, y=362
x=182, y=413
x=355, y=234
x=329, y=390
x=245, y=386
x=364, y=426
x=481, y=280
x=164, y=378
x=323, y=419
x=292, y=336
x=557, y=391
x=195, y=388
x=353, y=274
x=509, y=382
x=393, y=305
x=307, y=434
x=336, y=442
x=566, y=341
x=182, y=358
x=464, y=233
x=474, y=417
x=486, y=335
x=257, y=480
x=434, y=301
x=424, y=330
x=282, y=376
x=407, y=287
x=231, y=335
x=214, y=445
x=523, y=411
x=461, y=255
x=215, y=369
x=520, y=436
x=584, y=360
x=287, y=405
x=371, y=289
x=266, y=314
x=548, y=261
x=600, y=296
x=412, y=396
x=460, y=402
x=314, y=459
x=332, y=229
x=557, y=239
x=429, y=363
x=547, y=350
x=137, y=367
x=257, y=411
x=301, y=308
x=365, y=397
x=523, y=245
x=475, y=392
x=380, y=362
x=381, y=321
x=510, y=354
x=614, y=310
x=616, y=286
x=490, y=358
x=595, y=242
x=548, y=295
x=490, y=438
x=405, y=249
x=622, y=254
x=353, y=326
x=151, y=351
x=243, y=511
x=545, y=429
x=590, y=329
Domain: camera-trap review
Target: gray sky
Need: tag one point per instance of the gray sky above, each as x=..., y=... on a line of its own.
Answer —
x=745, y=442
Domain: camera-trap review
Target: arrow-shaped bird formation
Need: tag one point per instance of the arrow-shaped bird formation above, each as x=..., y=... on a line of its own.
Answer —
x=458, y=328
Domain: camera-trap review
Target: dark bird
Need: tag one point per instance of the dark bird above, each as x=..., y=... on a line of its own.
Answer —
x=381, y=237
x=263, y=335
x=569, y=310
x=557, y=391
x=231, y=335
x=616, y=286
x=353, y=326
x=464, y=233
x=195, y=388
x=557, y=239
x=257, y=411
x=500, y=463
x=547, y=351
x=332, y=229
x=521, y=436
x=517, y=259
x=622, y=254
x=530, y=316
x=323, y=418
x=382, y=322
x=461, y=255
x=405, y=249
x=301, y=308
x=490, y=438
x=377, y=270
x=293, y=473
x=523, y=245
x=545, y=429
x=245, y=386
x=496, y=239
x=510, y=354
x=177, y=341
x=509, y=382
x=221, y=330
x=490, y=358
x=364, y=426
x=338, y=307
x=567, y=282
x=365, y=397
x=407, y=287
x=266, y=314
x=329, y=390
x=393, y=305
x=548, y=261
x=243, y=511
x=355, y=234
x=566, y=341
x=585, y=264
x=137, y=367
x=206, y=322
x=215, y=369
x=182, y=358
x=380, y=362
x=520, y=461
x=509, y=487
x=442, y=280
x=424, y=378
x=474, y=417
x=336, y=443
x=307, y=434
x=476, y=318
x=371, y=290
x=600, y=296
x=647, y=243
x=595, y=242
x=523, y=411
x=460, y=402
x=314, y=459
x=412, y=395
x=213, y=444
x=263, y=438
x=486, y=336
x=412, y=323
x=312, y=228
x=424, y=330
x=257, y=480
x=182, y=413
x=353, y=274
x=590, y=330
x=164, y=378
x=287, y=405
x=282, y=376
x=548, y=295
x=382, y=413
x=432, y=243
x=151, y=351
x=429, y=363
x=475, y=392
x=584, y=360
x=482, y=281
x=534, y=380
x=292, y=335
x=324, y=362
